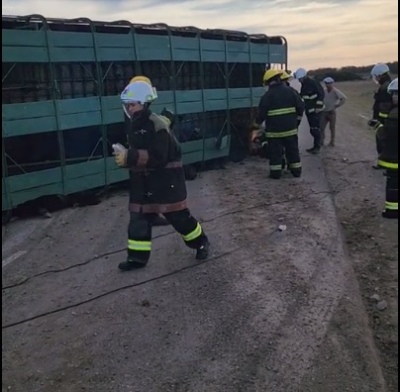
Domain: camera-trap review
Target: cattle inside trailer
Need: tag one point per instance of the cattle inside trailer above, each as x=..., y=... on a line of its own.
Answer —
x=60, y=88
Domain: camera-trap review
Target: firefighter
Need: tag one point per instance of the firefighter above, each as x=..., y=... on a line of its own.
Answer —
x=313, y=96
x=157, y=219
x=382, y=100
x=279, y=109
x=157, y=182
x=387, y=134
x=285, y=77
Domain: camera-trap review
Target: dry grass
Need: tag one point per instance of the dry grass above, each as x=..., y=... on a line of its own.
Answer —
x=360, y=96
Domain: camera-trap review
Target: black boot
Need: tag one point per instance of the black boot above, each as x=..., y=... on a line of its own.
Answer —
x=130, y=265
x=203, y=251
x=296, y=173
x=314, y=150
x=390, y=214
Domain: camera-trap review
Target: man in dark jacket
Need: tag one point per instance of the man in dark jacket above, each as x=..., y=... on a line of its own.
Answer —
x=388, y=137
x=382, y=100
x=313, y=95
x=279, y=109
x=157, y=182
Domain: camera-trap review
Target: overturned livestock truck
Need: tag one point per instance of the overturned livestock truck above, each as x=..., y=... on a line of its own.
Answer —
x=60, y=89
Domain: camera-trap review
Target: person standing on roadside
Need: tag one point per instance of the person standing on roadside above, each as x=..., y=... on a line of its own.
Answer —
x=380, y=74
x=333, y=100
x=312, y=94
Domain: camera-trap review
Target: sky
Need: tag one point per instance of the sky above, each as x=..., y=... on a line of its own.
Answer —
x=321, y=33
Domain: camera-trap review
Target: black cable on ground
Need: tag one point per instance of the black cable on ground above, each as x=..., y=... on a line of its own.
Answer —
x=97, y=257
x=118, y=289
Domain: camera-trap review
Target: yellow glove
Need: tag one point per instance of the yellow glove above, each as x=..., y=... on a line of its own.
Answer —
x=120, y=154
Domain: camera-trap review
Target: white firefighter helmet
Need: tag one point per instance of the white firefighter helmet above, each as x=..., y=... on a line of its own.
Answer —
x=379, y=69
x=300, y=74
x=139, y=92
x=393, y=86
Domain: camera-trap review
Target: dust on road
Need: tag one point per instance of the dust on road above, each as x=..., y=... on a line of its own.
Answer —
x=276, y=311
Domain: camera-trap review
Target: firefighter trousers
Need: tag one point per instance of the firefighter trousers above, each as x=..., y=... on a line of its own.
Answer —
x=378, y=145
x=140, y=233
x=392, y=194
x=314, y=120
x=276, y=148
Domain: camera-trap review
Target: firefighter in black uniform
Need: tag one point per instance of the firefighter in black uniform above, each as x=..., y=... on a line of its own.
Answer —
x=382, y=100
x=157, y=219
x=285, y=77
x=313, y=95
x=157, y=182
x=388, y=136
x=279, y=109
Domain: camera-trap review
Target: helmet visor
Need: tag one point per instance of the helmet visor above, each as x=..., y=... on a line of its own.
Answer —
x=376, y=78
x=130, y=108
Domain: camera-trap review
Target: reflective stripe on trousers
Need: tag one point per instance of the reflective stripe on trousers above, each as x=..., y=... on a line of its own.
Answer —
x=391, y=206
x=388, y=165
x=296, y=165
x=193, y=235
x=139, y=246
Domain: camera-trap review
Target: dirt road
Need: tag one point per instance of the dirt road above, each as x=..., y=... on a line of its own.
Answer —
x=276, y=311
x=372, y=241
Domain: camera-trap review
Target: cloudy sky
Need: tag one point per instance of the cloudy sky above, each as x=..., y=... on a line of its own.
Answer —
x=320, y=32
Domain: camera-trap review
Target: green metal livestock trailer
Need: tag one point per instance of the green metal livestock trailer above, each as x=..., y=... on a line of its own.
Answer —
x=60, y=95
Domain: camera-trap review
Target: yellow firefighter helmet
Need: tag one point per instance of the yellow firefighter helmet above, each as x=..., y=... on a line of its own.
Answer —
x=270, y=74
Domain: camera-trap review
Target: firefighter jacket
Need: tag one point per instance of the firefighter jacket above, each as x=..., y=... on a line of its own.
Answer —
x=388, y=135
x=280, y=108
x=382, y=100
x=157, y=181
x=313, y=95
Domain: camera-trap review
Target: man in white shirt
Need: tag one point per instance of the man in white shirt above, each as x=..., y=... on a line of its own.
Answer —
x=334, y=98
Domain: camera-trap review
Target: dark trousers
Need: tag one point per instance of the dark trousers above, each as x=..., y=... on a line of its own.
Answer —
x=289, y=145
x=378, y=145
x=314, y=120
x=140, y=233
x=392, y=193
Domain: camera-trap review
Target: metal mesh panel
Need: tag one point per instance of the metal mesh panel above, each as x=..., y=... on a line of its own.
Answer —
x=214, y=75
x=82, y=144
x=239, y=75
x=25, y=154
x=215, y=123
x=188, y=76
x=25, y=82
x=159, y=73
x=76, y=80
x=257, y=73
x=116, y=75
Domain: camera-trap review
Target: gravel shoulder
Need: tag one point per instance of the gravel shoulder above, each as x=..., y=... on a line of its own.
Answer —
x=371, y=240
x=271, y=310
